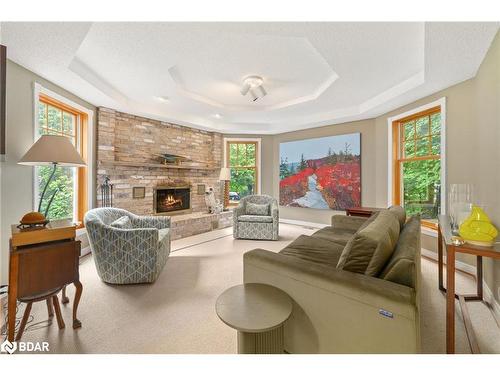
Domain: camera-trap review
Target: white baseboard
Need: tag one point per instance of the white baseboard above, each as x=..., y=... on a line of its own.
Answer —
x=488, y=294
x=303, y=223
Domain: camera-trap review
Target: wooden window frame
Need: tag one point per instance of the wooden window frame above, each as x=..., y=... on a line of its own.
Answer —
x=256, y=144
x=398, y=151
x=81, y=135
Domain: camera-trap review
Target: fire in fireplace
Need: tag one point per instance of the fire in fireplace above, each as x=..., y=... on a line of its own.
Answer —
x=169, y=199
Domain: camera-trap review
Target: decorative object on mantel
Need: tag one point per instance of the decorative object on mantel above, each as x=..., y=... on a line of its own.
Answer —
x=214, y=205
x=201, y=189
x=138, y=192
x=225, y=175
x=106, y=193
x=51, y=150
x=173, y=159
x=477, y=229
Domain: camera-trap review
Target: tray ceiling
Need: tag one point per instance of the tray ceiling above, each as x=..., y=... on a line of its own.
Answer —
x=191, y=73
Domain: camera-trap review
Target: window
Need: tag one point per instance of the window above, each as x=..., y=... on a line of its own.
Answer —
x=57, y=118
x=417, y=164
x=242, y=158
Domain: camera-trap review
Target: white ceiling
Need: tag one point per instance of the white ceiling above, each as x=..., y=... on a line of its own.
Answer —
x=315, y=73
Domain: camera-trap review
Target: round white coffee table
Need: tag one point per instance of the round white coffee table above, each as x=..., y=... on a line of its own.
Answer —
x=257, y=312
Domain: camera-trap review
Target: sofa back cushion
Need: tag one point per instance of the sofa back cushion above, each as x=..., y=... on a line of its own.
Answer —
x=371, y=247
x=402, y=268
x=257, y=209
x=400, y=214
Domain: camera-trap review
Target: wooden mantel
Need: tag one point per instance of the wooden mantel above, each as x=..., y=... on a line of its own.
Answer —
x=158, y=165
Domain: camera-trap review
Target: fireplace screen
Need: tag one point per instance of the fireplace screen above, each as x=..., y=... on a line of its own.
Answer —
x=172, y=199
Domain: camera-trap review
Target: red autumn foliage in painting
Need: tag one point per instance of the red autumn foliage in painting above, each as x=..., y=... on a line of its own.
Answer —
x=339, y=183
x=294, y=186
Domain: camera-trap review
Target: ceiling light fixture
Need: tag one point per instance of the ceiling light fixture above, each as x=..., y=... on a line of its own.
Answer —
x=254, y=86
x=218, y=116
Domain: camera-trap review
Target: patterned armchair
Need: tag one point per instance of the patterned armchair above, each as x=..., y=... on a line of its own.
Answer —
x=258, y=225
x=135, y=252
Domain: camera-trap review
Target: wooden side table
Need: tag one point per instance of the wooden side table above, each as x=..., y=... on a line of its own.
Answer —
x=42, y=262
x=444, y=238
x=257, y=312
x=361, y=211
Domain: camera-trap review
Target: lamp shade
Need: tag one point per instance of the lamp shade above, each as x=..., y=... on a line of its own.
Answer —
x=53, y=149
x=225, y=174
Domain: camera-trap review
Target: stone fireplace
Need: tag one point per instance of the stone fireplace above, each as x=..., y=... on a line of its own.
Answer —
x=168, y=199
x=128, y=152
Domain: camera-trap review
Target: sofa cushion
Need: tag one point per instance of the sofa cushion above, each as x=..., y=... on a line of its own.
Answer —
x=122, y=223
x=255, y=219
x=314, y=249
x=400, y=214
x=333, y=234
x=257, y=209
x=402, y=266
x=371, y=247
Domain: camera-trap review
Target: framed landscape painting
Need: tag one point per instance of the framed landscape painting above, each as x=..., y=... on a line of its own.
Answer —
x=322, y=173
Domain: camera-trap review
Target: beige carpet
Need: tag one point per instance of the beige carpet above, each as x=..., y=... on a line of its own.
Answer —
x=177, y=314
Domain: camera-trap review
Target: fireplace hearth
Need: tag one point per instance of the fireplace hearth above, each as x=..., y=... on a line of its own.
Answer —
x=168, y=199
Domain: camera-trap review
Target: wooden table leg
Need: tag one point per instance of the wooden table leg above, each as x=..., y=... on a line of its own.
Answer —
x=450, y=300
x=78, y=294
x=64, y=298
x=57, y=309
x=12, y=301
x=440, y=260
x=26, y=316
x=479, y=276
x=50, y=310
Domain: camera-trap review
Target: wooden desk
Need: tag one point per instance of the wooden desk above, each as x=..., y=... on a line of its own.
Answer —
x=444, y=237
x=42, y=260
x=362, y=211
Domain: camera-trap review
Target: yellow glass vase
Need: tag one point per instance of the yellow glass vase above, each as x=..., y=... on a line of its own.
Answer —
x=477, y=229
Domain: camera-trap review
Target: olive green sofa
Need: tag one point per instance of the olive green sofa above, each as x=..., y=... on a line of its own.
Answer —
x=355, y=285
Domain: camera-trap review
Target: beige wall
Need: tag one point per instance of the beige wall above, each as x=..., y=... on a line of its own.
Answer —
x=270, y=167
x=17, y=180
x=485, y=157
x=472, y=147
x=368, y=157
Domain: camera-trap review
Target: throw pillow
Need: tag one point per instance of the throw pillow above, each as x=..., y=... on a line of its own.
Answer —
x=122, y=223
x=403, y=265
x=257, y=209
x=400, y=214
x=371, y=247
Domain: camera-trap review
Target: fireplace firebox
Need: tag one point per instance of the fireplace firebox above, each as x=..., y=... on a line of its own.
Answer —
x=167, y=199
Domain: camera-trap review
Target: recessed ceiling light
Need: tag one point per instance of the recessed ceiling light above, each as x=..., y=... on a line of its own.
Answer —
x=218, y=115
x=163, y=99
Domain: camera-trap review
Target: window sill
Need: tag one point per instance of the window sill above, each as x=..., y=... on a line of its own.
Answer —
x=429, y=231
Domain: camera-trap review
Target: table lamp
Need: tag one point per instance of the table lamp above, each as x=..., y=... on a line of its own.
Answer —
x=51, y=150
x=225, y=175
